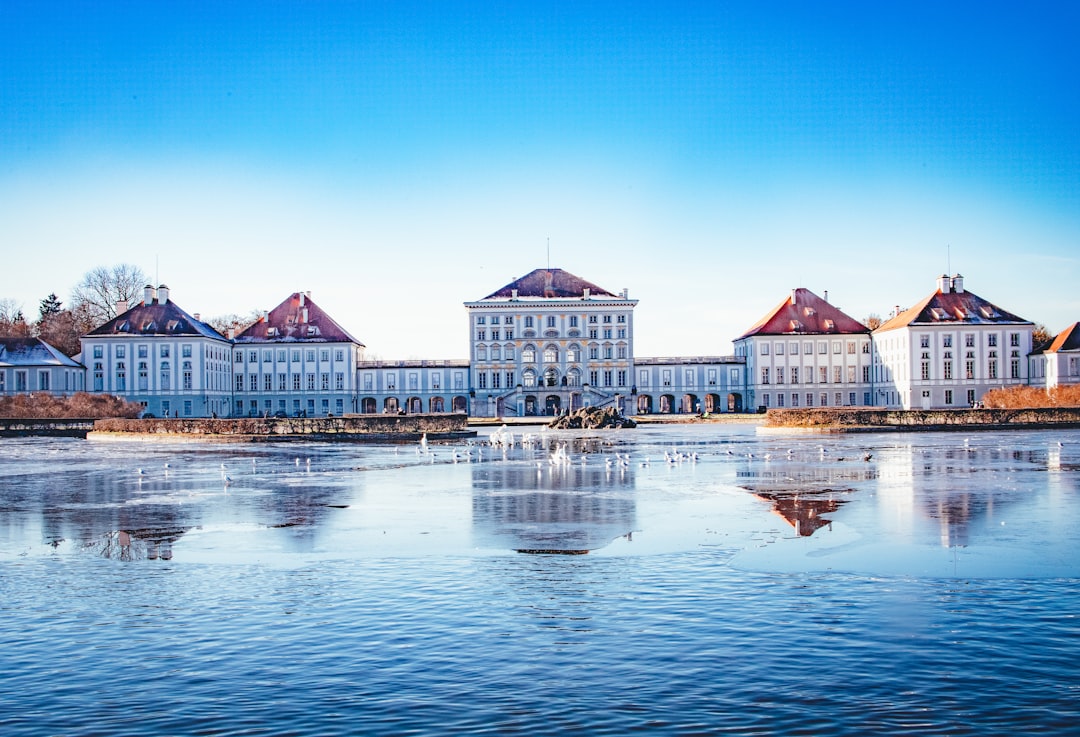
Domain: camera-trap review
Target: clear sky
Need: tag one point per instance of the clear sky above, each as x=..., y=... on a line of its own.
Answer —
x=400, y=158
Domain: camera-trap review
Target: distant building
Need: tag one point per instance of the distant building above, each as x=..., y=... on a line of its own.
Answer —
x=158, y=355
x=29, y=365
x=295, y=360
x=1058, y=364
x=547, y=343
x=949, y=350
x=807, y=353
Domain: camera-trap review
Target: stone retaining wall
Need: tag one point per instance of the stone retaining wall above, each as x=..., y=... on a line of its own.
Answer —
x=353, y=426
x=871, y=417
x=58, y=428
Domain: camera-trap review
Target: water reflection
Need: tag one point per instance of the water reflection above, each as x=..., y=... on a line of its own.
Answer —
x=570, y=507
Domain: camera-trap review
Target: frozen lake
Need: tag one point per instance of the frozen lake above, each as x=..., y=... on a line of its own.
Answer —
x=734, y=582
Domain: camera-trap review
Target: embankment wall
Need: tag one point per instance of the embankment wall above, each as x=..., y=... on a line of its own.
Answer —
x=935, y=419
x=358, y=427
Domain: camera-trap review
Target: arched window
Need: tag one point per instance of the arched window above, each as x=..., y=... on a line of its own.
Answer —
x=481, y=353
x=528, y=378
x=496, y=352
x=573, y=353
x=551, y=354
x=508, y=351
x=528, y=354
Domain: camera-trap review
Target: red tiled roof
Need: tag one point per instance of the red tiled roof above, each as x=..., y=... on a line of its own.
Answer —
x=1067, y=340
x=157, y=318
x=952, y=307
x=805, y=313
x=296, y=319
x=549, y=284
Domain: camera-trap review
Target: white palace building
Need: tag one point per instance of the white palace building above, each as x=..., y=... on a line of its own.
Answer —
x=548, y=343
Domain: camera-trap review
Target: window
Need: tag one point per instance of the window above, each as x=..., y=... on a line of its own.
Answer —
x=528, y=321
x=528, y=354
x=711, y=377
x=296, y=382
x=252, y=356
x=509, y=335
x=166, y=376
x=481, y=380
x=851, y=374
x=481, y=320
x=311, y=356
x=496, y=380
x=551, y=321
x=592, y=319
x=185, y=375
x=643, y=377
x=339, y=381
x=268, y=356
x=593, y=333
x=621, y=378
x=948, y=396
x=369, y=382
x=99, y=351
x=688, y=377
x=607, y=352
x=238, y=382
x=779, y=374
x=120, y=351
x=1014, y=368
x=794, y=374
x=607, y=333
x=992, y=367
x=822, y=347
x=481, y=335
x=239, y=357
x=794, y=400
x=621, y=318
x=607, y=378
x=573, y=321
x=667, y=377
x=144, y=377
x=436, y=380
x=991, y=340
x=969, y=340
x=495, y=335
x=268, y=382
x=43, y=381
x=551, y=355
x=620, y=351
x=311, y=382
x=764, y=349
x=823, y=374
x=324, y=382
x=143, y=351
x=779, y=349
x=946, y=341
x=494, y=319
x=281, y=354
x=295, y=355
x=969, y=369
x=971, y=397
x=837, y=375
x=187, y=408
x=851, y=347
x=324, y=355
x=1014, y=340
x=594, y=352
x=866, y=374
x=779, y=400
x=947, y=373
x=607, y=319
x=809, y=399
x=281, y=382
x=253, y=382
x=766, y=400
x=509, y=379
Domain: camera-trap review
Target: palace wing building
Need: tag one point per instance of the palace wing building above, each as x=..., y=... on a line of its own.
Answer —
x=158, y=355
x=1058, y=364
x=30, y=365
x=295, y=360
x=550, y=342
x=807, y=353
x=949, y=350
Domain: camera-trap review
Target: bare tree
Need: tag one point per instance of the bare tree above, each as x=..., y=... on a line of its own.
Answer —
x=101, y=288
x=873, y=321
x=1041, y=337
x=239, y=323
x=12, y=322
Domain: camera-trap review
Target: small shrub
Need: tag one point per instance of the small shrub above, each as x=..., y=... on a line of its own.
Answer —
x=1023, y=397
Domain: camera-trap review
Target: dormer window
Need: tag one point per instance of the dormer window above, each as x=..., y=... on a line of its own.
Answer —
x=830, y=325
x=271, y=332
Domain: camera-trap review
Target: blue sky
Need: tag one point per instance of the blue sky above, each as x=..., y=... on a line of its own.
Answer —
x=397, y=159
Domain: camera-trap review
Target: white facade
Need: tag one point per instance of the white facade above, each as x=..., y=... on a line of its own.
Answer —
x=689, y=385
x=1059, y=363
x=547, y=343
x=949, y=350
x=29, y=365
x=413, y=387
x=159, y=356
x=807, y=353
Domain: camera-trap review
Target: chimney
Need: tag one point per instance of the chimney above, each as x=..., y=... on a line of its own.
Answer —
x=826, y=295
x=303, y=316
x=585, y=293
x=958, y=284
x=162, y=294
x=197, y=316
x=231, y=333
x=302, y=301
x=148, y=295
x=944, y=283
x=121, y=306
x=625, y=293
x=793, y=293
x=513, y=294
